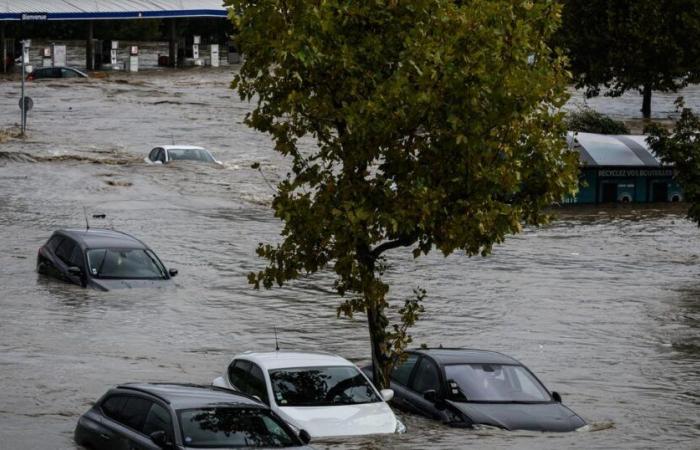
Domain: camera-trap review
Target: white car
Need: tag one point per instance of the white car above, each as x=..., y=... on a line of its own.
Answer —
x=324, y=394
x=168, y=153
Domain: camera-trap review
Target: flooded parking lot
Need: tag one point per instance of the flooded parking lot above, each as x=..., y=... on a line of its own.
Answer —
x=603, y=305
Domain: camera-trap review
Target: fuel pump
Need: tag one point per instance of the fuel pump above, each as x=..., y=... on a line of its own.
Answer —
x=46, y=60
x=133, y=58
x=58, y=55
x=113, y=55
x=195, y=50
x=214, y=55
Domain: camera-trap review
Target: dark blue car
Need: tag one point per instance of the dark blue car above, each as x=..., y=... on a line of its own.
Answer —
x=462, y=388
x=102, y=259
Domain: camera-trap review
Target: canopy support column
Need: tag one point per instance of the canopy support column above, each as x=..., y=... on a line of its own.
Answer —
x=3, y=47
x=89, y=48
x=172, y=58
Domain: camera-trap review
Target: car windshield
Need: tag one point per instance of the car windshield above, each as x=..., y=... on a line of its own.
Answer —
x=191, y=154
x=321, y=386
x=494, y=383
x=233, y=427
x=126, y=263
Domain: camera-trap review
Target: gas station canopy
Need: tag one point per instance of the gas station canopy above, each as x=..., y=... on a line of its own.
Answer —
x=39, y=10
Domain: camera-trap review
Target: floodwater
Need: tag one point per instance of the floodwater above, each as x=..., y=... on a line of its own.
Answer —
x=604, y=305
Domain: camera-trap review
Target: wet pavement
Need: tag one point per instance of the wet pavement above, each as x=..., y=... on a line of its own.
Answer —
x=603, y=305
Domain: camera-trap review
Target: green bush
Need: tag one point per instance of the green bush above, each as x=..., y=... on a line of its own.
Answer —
x=590, y=121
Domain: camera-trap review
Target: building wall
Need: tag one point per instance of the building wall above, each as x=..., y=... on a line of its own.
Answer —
x=639, y=189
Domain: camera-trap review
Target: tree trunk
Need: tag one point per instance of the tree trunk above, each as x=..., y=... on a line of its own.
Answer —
x=377, y=334
x=646, y=102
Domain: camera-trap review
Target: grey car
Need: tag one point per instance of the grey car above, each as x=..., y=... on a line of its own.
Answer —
x=101, y=259
x=465, y=387
x=151, y=416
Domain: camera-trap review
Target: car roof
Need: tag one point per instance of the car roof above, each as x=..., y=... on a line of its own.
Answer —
x=185, y=396
x=102, y=238
x=181, y=147
x=291, y=359
x=447, y=356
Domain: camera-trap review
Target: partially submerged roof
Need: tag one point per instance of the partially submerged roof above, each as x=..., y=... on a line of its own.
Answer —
x=598, y=150
x=447, y=356
x=284, y=359
x=182, y=396
x=33, y=10
x=99, y=238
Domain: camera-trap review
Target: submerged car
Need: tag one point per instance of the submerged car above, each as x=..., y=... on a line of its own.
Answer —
x=55, y=72
x=169, y=153
x=463, y=388
x=101, y=259
x=177, y=416
x=321, y=393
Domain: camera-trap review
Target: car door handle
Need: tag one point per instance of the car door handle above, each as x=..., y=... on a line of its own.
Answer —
x=106, y=437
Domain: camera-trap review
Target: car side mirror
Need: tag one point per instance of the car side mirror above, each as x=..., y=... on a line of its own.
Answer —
x=387, y=394
x=172, y=272
x=74, y=270
x=304, y=436
x=556, y=397
x=160, y=439
x=431, y=395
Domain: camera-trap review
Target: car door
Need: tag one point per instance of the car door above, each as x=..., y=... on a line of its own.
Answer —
x=158, y=418
x=425, y=377
x=67, y=254
x=400, y=378
x=113, y=434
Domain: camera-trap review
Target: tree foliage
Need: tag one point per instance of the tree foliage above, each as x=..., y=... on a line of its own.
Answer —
x=589, y=121
x=434, y=127
x=622, y=45
x=681, y=147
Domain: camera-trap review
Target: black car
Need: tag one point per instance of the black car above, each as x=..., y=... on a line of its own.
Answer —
x=55, y=72
x=180, y=416
x=102, y=259
x=462, y=388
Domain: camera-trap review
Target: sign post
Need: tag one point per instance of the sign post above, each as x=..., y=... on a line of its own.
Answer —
x=22, y=102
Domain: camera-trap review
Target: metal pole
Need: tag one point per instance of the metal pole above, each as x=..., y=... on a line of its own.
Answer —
x=172, y=61
x=3, y=44
x=89, y=50
x=22, y=105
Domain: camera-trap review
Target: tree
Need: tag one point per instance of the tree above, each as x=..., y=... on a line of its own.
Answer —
x=587, y=120
x=682, y=149
x=434, y=127
x=623, y=45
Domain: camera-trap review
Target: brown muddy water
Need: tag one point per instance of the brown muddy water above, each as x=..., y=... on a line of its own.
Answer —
x=604, y=305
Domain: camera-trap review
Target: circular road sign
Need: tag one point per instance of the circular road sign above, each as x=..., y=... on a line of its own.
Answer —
x=28, y=103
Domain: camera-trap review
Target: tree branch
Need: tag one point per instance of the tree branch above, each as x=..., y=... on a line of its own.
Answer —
x=403, y=241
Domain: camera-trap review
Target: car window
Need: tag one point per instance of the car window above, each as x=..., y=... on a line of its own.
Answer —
x=402, y=372
x=426, y=377
x=256, y=381
x=134, y=412
x=154, y=154
x=54, y=242
x=158, y=419
x=161, y=155
x=228, y=427
x=76, y=257
x=494, y=383
x=65, y=250
x=67, y=73
x=237, y=374
x=113, y=405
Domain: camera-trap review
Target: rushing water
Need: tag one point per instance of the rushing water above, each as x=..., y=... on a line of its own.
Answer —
x=603, y=305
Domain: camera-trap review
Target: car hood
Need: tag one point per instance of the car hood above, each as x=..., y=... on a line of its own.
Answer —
x=520, y=416
x=341, y=420
x=108, y=285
